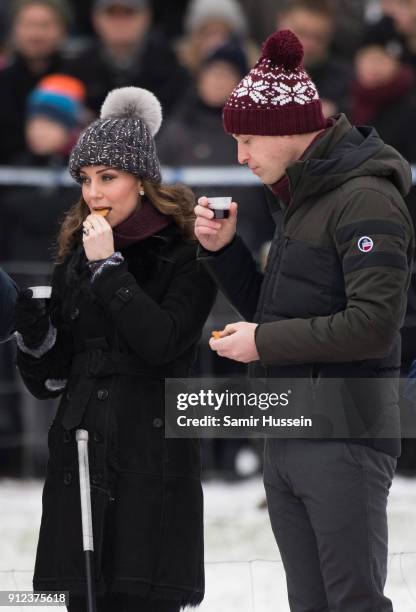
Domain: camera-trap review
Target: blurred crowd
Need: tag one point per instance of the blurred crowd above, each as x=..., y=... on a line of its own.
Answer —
x=59, y=58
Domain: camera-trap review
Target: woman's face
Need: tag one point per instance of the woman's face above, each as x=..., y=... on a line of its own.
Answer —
x=106, y=187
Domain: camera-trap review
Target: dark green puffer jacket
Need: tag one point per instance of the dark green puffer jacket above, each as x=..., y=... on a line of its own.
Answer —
x=333, y=296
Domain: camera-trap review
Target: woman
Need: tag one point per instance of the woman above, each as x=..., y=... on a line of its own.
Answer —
x=128, y=304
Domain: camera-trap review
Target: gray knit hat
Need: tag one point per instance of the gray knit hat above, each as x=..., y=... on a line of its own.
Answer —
x=123, y=135
x=228, y=11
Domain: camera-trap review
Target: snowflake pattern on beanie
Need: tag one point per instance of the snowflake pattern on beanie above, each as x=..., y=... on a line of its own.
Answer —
x=277, y=97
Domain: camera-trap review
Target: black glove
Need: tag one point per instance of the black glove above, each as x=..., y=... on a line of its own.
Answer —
x=31, y=318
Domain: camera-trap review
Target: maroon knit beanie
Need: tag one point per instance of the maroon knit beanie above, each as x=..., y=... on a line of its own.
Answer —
x=277, y=97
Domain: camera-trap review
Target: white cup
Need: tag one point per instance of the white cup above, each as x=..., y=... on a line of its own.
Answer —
x=220, y=206
x=41, y=292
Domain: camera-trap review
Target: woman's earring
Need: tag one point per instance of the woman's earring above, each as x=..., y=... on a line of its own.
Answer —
x=141, y=192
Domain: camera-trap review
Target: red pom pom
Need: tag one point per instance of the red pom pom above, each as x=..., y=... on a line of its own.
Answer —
x=284, y=48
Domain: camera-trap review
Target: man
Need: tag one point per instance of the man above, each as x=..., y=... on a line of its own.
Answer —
x=128, y=51
x=330, y=304
x=8, y=294
x=38, y=31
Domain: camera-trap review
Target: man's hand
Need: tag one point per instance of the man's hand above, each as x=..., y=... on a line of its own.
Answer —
x=214, y=234
x=237, y=342
x=98, y=238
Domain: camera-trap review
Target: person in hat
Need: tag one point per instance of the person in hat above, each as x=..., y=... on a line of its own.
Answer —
x=8, y=294
x=53, y=121
x=329, y=305
x=193, y=135
x=128, y=51
x=55, y=113
x=128, y=304
x=209, y=24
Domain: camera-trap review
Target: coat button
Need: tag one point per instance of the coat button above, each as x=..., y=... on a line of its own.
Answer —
x=102, y=394
x=67, y=478
x=75, y=314
x=158, y=422
x=67, y=436
x=97, y=436
x=96, y=479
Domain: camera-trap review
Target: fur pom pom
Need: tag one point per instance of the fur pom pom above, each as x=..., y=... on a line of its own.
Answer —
x=135, y=103
x=283, y=48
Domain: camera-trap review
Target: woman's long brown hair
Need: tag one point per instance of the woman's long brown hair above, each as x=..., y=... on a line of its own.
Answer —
x=177, y=201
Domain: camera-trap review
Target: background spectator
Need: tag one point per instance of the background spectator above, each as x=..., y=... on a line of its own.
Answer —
x=195, y=134
x=39, y=29
x=210, y=24
x=31, y=216
x=128, y=52
x=313, y=22
x=167, y=16
x=398, y=26
x=384, y=94
x=349, y=21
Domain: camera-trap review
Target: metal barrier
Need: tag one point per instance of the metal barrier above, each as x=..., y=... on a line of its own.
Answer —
x=229, y=176
x=194, y=176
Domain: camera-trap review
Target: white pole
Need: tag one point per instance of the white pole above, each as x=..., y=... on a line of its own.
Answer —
x=84, y=485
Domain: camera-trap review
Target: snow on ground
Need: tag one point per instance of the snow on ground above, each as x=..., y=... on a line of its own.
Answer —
x=243, y=567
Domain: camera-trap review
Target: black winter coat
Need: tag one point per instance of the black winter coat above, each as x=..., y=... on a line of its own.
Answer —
x=117, y=339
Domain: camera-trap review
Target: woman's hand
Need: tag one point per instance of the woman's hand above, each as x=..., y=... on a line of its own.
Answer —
x=98, y=238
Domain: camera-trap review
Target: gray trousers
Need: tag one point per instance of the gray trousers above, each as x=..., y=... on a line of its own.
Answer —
x=327, y=503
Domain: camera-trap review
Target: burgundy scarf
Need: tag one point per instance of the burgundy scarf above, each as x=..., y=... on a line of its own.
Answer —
x=142, y=223
x=367, y=102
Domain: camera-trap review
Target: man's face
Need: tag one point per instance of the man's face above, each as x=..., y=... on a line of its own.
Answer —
x=267, y=156
x=119, y=26
x=37, y=31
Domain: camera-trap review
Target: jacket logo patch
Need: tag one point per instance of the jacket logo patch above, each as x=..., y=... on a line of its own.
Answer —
x=365, y=244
